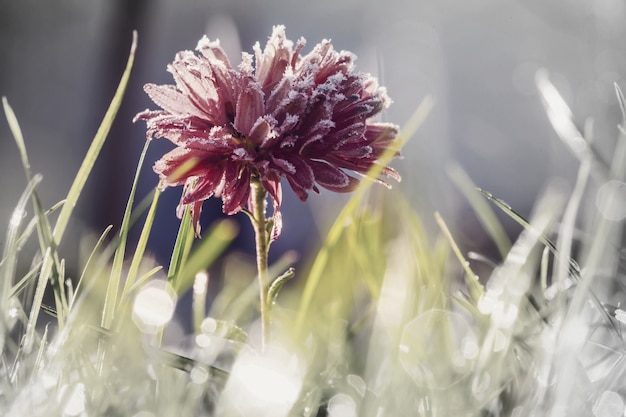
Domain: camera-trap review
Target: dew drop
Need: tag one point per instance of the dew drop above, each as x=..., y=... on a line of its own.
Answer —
x=203, y=340
x=341, y=405
x=209, y=325
x=611, y=200
x=358, y=384
x=469, y=347
x=199, y=375
x=200, y=282
x=610, y=404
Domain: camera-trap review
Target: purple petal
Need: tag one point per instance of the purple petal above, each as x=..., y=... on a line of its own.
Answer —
x=331, y=177
x=250, y=107
x=275, y=59
x=171, y=100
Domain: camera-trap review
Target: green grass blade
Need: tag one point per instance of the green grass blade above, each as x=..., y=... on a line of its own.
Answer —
x=44, y=230
x=29, y=338
x=7, y=269
x=142, y=279
x=30, y=228
x=90, y=261
x=113, y=286
x=19, y=286
x=315, y=275
x=16, y=131
x=179, y=253
x=485, y=214
x=474, y=286
x=143, y=242
x=208, y=251
x=94, y=149
x=573, y=268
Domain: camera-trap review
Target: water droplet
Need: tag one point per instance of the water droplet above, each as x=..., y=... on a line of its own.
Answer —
x=620, y=315
x=209, y=325
x=611, y=200
x=341, y=405
x=610, y=404
x=470, y=348
x=17, y=217
x=200, y=282
x=487, y=302
x=203, y=340
x=358, y=384
x=199, y=375
x=499, y=341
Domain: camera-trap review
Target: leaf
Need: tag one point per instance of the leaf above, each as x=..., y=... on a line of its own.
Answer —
x=277, y=284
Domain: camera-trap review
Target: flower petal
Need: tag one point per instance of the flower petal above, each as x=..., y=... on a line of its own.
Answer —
x=172, y=100
x=331, y=177
x=275, y=59
x=250, y=107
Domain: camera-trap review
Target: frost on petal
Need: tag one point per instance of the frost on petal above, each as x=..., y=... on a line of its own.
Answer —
x=261, y=131
x=332, y=178
x=279, y=114
x=195, y=80
x=213, y=51
x=236, y=189
x=300, y=191
x=204, y=187
x=274, y=60
x=172, y=100
x=176, y=166
x=301, y=173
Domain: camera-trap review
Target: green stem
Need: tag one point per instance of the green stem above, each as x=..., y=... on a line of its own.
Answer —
x=262, y=248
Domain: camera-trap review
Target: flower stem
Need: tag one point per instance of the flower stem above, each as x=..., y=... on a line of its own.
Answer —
x=262, y=248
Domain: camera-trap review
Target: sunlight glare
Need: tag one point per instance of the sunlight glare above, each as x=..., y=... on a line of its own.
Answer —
x=263, y=385
x=154, y=306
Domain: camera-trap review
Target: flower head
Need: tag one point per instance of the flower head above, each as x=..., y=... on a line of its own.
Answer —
x=279, y=114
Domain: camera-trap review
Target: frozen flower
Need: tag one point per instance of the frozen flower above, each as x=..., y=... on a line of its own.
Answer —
x=279, y=114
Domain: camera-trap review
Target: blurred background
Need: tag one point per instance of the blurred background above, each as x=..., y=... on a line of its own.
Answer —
x=61, y=60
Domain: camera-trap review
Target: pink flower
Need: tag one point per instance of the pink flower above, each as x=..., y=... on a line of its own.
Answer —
x=277, y=115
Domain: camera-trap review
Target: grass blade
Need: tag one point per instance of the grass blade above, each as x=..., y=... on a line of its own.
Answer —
x=336, y=229
x=94, y=149
x=90, y=260
x=485, y=214
x=476, y=289
x=143, y=242
x=181, y=249
x=113, y=286
x=208, y=251
x=7, y=269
